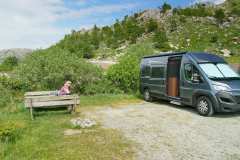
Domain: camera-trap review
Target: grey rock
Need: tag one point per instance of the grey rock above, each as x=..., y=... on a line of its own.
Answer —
x=226, y=52
x=17, y=52
x=83, y=123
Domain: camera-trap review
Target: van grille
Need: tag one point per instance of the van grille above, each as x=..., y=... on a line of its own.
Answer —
x=237, y=99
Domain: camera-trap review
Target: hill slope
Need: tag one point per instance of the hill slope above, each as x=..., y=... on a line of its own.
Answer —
x=201, y=27
x=16, y=52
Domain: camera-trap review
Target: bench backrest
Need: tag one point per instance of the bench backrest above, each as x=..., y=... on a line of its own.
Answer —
x=39, y=93
x=47, y=99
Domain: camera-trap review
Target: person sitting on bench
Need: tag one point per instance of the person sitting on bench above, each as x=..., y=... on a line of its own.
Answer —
x=65, y=90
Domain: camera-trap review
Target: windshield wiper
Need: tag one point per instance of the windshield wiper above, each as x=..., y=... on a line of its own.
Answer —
x=233, y=78
x=214, y=77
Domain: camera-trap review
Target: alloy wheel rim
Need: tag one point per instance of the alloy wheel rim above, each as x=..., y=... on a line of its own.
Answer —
x=203, y=106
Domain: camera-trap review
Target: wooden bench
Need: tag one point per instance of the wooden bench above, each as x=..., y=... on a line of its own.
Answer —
x=48, y=99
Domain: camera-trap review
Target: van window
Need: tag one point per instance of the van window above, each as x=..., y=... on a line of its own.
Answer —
x=157, y=72
x=189, y=71
x=146, y=71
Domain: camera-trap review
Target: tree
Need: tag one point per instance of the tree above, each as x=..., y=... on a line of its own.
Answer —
x=152, y=26
x=133, y=29
x=9, y=63
x=107, y=34
x=95, y=37
x=219, y=15
x=118, y=33
x=235, y=7
x=173, y=24
x=166, y=7
x=161, y=41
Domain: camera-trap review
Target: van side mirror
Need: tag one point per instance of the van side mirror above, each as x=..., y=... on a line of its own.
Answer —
x=196, y=78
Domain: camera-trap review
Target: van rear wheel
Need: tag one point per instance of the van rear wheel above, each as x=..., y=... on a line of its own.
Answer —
x=204, y=106
x=147, y=96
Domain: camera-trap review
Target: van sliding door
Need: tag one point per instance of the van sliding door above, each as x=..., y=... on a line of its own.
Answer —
x=157, y=80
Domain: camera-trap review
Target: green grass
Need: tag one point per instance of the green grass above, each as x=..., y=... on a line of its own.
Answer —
x=234, y=60
x=44, y=139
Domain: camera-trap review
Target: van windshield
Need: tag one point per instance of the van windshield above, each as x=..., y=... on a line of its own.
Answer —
x=219, y=71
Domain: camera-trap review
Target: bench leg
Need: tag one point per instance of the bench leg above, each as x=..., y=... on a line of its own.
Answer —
x=73, y=109
x=31, y=112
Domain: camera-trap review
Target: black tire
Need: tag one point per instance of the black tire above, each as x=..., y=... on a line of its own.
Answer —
x=204, y=106
x=147, y=95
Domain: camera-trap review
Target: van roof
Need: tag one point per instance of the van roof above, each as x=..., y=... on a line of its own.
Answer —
x=199, y=57
x=166, y=54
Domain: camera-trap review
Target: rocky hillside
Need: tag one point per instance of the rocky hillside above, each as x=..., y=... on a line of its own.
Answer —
x=201, y=27
x=16, y=52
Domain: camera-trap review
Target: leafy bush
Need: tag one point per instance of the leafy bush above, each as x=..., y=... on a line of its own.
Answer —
x=166, y=7
x=199, y=10
x=214, y=39
x=9, y=132
x=235, y=7
x=5, y=96
x=102, y=87
x=48, y=69
x=152, y=26
x=13, y=84
x=125, y=74
x=219, y=15
x=9, y=63
x=161, y=41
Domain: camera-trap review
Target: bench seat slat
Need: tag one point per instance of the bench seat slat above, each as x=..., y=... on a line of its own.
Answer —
x=53, y=103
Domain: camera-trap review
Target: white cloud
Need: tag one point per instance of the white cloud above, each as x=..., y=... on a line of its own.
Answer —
x=211, y=1
x=32, y=23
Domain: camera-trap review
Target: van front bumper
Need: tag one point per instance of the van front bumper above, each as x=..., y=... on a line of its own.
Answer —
x=228, y=101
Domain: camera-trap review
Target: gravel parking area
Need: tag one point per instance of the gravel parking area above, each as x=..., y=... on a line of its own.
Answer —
x=163, y=131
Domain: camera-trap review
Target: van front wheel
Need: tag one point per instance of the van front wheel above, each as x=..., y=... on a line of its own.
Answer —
x=147, y=96
x=204, y=106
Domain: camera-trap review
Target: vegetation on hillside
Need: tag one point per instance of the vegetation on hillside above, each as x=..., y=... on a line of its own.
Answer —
x=9, y=63
x=199, y=27
x=125, y=74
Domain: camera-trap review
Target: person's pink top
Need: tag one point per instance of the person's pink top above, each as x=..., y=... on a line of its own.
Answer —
x=64, y=90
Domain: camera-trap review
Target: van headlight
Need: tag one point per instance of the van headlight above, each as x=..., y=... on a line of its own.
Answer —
x=221, y=88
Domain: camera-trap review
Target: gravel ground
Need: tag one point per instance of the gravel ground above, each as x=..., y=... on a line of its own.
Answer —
x=167, y=132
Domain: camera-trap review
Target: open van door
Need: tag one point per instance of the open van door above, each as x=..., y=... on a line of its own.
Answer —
x=173, y=76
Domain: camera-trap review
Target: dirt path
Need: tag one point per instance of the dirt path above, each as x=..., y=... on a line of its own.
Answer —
x=168, y=132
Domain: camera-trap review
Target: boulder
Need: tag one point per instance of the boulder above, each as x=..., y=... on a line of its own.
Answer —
x=82, y=123
x=230, y=19
x=226, y=52
x=226, y=24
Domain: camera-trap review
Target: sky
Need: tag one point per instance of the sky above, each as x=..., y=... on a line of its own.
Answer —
x=41, y=23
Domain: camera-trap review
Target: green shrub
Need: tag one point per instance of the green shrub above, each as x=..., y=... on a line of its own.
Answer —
x=219, y=15
x=214, y=39
x=48, y=69
x=235, y=7
x=13, y=84
x=125, y=74
x=161, y=41
x=5, y=96
x=102, y=87
x=10, y=132
x=9, y=63
x=198, y=10
x=152, y=26
x=166, y=7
